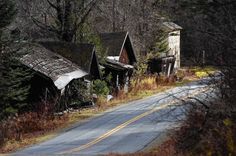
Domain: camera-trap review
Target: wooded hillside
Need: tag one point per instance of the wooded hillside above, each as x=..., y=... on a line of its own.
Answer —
x=67, y=54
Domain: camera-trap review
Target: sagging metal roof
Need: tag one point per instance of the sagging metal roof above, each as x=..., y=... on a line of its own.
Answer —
x=60, y=70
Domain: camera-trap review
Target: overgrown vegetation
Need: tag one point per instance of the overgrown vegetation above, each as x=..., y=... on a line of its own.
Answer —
x=140, y=87
x=100, y=88
x=209, y=134
x=195, y=72
x=27, y=125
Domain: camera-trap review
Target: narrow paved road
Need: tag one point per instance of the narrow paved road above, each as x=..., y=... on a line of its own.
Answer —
x=127, y=128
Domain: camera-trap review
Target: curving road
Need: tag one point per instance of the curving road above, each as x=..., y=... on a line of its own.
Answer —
x=124, y=129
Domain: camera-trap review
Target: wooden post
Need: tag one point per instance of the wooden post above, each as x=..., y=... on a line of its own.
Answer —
x=203, y=58
x=169, y=69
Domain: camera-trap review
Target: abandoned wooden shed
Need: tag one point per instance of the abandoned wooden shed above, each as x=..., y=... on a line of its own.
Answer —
x=120, y=57
x=53, y=72
x=174, y=32
x=57, y=65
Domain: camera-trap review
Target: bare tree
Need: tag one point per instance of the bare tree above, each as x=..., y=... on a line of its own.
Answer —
x=62, y=18
x=139, y=17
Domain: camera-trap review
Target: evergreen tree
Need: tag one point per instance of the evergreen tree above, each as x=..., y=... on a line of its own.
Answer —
x=160, y=47
x=13, y=77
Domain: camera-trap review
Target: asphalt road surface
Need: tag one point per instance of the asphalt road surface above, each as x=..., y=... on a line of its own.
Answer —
x=125, y=129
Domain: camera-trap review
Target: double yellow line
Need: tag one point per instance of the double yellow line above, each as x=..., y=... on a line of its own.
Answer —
x=118, y=128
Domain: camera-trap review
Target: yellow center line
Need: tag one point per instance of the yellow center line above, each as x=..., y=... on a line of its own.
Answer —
x=116, y=129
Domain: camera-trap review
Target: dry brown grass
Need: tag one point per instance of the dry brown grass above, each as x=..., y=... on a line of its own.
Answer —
x=12, y=145
x=150, y=83
x=140, y=88
x=32, y=128
x=82, y=115
x=24, y=129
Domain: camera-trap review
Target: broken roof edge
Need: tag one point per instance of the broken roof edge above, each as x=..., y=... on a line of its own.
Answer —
x=65, y=79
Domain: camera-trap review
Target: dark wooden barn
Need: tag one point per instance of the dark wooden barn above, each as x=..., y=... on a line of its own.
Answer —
x=164, y=65
x=120, y=59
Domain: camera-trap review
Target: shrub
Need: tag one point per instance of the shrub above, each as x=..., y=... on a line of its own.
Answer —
x=180, y=74
x=144, y=83
x=100, y=87
x=79, y=92
x=201, y=74
x=150, y=82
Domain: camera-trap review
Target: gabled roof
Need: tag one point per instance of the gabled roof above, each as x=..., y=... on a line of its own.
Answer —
x=60, y=70
x=171, y=26
x=114, y=43
x=80, y=54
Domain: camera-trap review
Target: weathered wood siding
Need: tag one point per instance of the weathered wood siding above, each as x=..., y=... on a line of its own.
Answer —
x=174, y=46
x=124, y=58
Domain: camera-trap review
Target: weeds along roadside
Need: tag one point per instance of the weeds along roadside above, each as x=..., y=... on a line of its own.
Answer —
x=33, y=127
